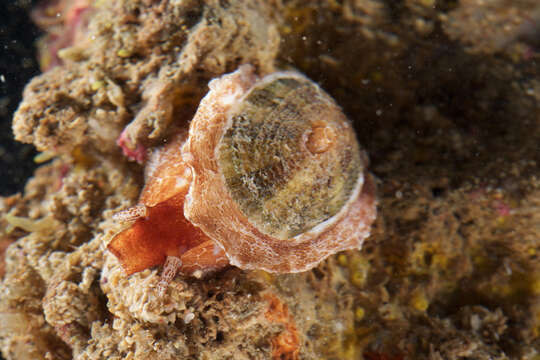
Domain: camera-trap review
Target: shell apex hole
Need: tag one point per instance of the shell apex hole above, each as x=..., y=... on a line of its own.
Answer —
x=320, y=138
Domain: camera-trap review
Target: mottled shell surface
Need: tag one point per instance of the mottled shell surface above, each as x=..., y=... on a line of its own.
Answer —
x=282, y=160
x=279, y=179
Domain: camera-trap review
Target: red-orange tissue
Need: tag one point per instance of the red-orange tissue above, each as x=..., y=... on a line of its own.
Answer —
x=270, y=176
x=159, y=229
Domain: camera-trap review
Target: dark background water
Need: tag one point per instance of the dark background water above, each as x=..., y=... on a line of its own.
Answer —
x=17, y=65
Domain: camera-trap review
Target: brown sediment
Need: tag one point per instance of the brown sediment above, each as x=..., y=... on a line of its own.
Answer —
x=446, y=108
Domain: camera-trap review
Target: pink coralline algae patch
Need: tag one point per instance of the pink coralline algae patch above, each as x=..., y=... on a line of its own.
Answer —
x=132, y=152
x=502, y=208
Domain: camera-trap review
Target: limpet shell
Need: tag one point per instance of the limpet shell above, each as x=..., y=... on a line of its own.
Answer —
x=279, y=179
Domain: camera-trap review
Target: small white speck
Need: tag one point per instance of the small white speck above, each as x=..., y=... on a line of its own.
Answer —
x=2, y=78
x=507, y=268
x=187, y=200
x=188, y=317
x=181, y=182
x=187, y=157
x=399, y=194
x=304, y=38
x=475, y=322
x=378, y=112
x=228, y=99
x=365, y=81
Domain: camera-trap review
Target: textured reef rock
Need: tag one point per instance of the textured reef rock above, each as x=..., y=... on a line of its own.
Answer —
x=444, y=96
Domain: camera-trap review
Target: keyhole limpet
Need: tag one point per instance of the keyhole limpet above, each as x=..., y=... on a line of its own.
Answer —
x=270, y=176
